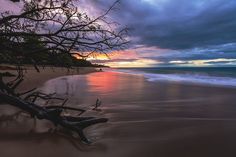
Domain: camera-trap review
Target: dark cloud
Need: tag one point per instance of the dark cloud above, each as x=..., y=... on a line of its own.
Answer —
x=226, y=51
x=181, y=24
x=176, y=27
x=187, y=30
x=174, y=30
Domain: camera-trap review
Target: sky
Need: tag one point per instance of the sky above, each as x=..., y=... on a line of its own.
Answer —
x=173, y=32
x=170, y=32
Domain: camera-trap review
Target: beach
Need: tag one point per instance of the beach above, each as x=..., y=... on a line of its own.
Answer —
x=35, y=79
x=166, y=119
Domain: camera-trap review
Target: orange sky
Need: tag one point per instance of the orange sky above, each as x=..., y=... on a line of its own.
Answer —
x=125, y=58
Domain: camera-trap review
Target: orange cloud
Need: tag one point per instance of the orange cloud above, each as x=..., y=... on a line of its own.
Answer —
x=135, y=63
x=125, y=54
x=123, y=58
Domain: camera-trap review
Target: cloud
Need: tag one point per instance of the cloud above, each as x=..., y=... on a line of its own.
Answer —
x=165, y=31
x=132, y=63
x=192, y=24
x=206, y=62
x=7, y=5
x=167, y=24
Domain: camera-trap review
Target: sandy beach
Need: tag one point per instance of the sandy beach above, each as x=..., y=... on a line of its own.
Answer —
x=34, y=79
x=145, y=119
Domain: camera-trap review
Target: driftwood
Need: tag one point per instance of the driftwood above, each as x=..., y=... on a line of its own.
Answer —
x=97, y=104
x=51, y=113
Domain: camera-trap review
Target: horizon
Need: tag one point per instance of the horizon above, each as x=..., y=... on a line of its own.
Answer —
x=174, y=67
x=163, y=33
x=197, y=33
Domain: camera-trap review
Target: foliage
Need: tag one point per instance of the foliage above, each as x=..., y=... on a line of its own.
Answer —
x=45, y=29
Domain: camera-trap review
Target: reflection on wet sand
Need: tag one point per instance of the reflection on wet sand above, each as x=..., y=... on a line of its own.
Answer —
x=145, y=119
x=88, y=88
x=112, y=83
x=157, y=115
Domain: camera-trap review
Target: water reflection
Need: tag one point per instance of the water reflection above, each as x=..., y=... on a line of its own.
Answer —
x=103, y=83
x=130, y=93
x=87, y=88
x=115, y=87
x=68, y=85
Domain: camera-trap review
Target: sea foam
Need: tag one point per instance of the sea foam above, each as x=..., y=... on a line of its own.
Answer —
x=185, y=78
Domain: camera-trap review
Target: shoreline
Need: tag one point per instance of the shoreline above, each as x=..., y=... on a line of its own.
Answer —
x=156, y=118
x=177, y=83
x=34, y=79
x=201, y=79
x=145, y=119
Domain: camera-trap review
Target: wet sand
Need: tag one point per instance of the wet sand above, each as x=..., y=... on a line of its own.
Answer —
x=145, y=119
x=34, y=79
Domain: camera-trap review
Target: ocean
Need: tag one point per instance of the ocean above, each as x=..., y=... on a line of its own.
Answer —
x=214, y=76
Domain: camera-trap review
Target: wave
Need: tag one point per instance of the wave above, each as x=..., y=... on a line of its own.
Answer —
x=185, y=78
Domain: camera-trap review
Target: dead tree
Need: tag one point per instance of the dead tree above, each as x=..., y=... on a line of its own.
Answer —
x=60, y=29
x=9, y=96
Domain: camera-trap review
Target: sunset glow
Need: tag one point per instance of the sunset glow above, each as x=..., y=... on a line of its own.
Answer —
x=162, y=41
x=132, y=58
x=117, y=78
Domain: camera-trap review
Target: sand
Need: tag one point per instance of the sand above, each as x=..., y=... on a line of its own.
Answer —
x=146, y=119
x=34, y=79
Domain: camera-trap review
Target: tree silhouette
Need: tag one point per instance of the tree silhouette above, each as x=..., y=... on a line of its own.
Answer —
x=61, y=28
x=52, y=29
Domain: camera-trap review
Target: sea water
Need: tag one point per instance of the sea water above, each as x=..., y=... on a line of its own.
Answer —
x=216, y=76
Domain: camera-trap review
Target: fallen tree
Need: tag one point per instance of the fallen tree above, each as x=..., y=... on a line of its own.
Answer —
x=26, y=102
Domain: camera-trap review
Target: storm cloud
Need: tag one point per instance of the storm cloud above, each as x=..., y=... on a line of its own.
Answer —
x=181, y=24
x=171, y=31
x=185, y=30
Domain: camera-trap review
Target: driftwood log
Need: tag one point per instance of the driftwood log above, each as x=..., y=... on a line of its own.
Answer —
x=26, y=102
